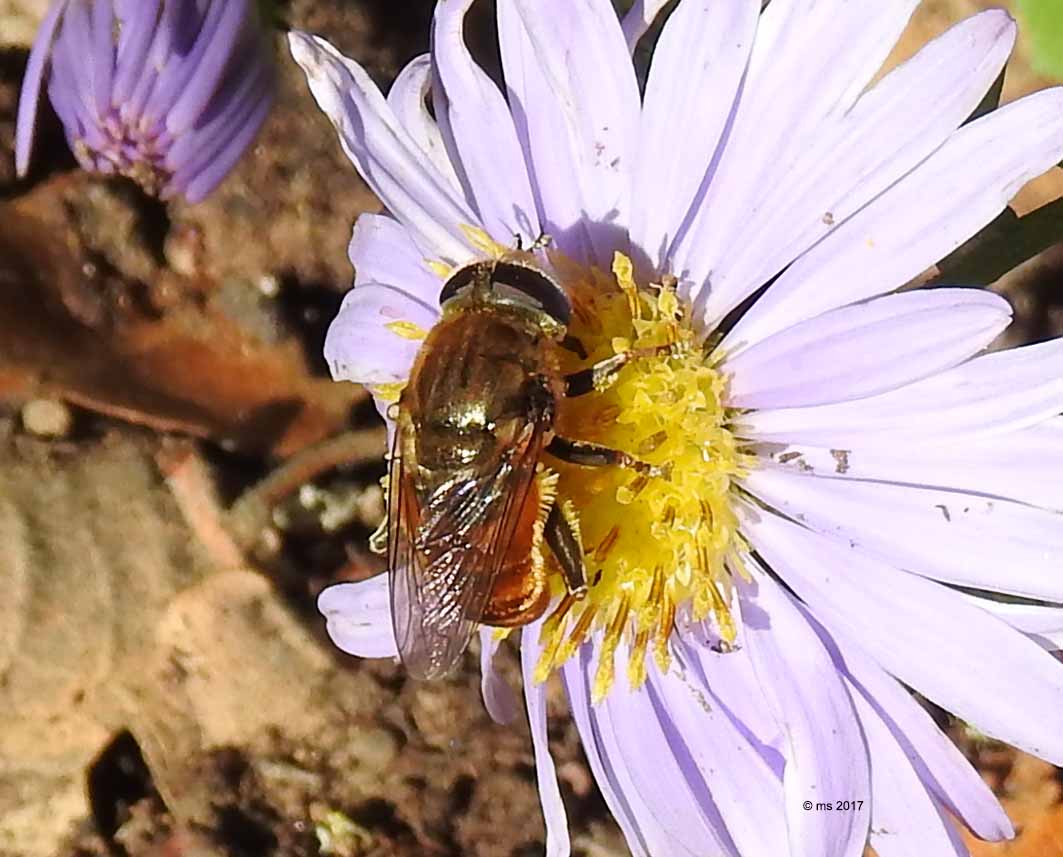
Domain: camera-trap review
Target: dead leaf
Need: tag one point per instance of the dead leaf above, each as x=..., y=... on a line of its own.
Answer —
x=69, y=331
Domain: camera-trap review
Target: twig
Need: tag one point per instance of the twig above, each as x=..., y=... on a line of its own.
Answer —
x=193, y=490
x=251, y=512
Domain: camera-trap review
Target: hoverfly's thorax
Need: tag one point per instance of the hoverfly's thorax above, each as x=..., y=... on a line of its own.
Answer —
x=512, y=288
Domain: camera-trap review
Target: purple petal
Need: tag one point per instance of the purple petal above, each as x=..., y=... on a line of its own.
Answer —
x=177, y=72
x=575, y=100
x=499, y=699
x=962, y=658
x=474, y=115
x=826, y=755
x=218, y=145
x=991, y=395
x=1022, y=465
x=388, y=159
x=220, y=49
x=867, y=348
x=697, y=68
x=30, y=96
x=359, y=617
x=966, y=539
x=407, y=99
x=361, y=346
x=137, y=32
x=382, y=251
x=935, y=208
x=557, y=838
x=790, y=97
x=941, y=767
x=856, y=157
x=100, y=61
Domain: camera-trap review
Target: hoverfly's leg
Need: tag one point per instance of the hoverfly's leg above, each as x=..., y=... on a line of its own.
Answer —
x=573, y=344
x=540, y=243
x=603, y=374
x=562, y=535
x=595, y=455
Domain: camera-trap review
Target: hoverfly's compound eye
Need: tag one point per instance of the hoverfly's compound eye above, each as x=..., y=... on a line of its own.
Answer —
x=513, y=281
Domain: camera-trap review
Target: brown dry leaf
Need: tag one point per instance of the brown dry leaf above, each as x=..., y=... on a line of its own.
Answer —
x=69, y=331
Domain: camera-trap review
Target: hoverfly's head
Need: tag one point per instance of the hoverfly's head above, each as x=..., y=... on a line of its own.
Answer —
x=518, y=285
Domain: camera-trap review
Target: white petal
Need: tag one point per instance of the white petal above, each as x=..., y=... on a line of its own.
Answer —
x=634, y=766
x=941, y=767
x=407, y=98
x=580, y=63
x=965, y=539
x=826, y=756
x=868, y=348
x=962, y=658
x=499, y=698
x=639, y=19
x=790, y=96
x=905, y=819
x=921, y=219
x=557, y=839
x=472, y=110
x=358, y=617
x=368, y=342
x=699, y=696
x=856, y=157
x=697, y=68
x=1022, y=465
x=388, y=158
x=991, y=395
x=1028, y=618
x=382, y=251
x=540, y=124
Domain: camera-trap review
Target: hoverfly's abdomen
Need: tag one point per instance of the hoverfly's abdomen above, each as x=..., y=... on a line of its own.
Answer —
x=521, y=593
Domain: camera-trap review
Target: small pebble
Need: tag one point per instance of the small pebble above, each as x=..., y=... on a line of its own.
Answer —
x=47, y=418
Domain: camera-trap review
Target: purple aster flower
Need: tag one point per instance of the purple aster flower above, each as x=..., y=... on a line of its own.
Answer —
x=852, y=479
x=167, y=92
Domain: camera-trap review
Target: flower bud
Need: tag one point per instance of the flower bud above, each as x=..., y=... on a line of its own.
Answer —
x=167, y=92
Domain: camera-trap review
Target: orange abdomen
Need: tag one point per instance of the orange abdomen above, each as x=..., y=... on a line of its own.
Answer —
x=520, y=594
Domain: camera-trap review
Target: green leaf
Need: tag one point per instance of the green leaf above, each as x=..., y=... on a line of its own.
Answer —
x=1043, y=22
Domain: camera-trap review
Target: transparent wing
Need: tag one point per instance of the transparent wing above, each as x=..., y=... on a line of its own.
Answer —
x=446, y=546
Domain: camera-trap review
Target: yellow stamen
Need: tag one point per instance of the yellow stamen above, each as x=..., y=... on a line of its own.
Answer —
x=636, y=665
x=659, y=545
x=440, y=269
x=407, y=330
x=388, y=392
x=578, y=635
x=484, y=243
x=603, y=679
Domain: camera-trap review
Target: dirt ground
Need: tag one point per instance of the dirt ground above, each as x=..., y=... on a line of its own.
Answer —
x=165, y=680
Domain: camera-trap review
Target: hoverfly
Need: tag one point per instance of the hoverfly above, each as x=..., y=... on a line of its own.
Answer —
x=466, y=506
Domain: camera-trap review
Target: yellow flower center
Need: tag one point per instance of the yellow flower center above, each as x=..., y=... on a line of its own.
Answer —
x=652, y=544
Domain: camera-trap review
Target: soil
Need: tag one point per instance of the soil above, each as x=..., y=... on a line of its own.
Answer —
x=170, y=684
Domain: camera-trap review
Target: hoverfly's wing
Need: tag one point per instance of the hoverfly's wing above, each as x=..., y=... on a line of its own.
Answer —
x=445, y=549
